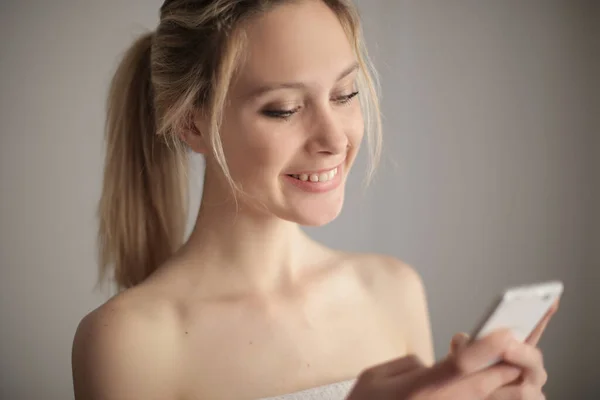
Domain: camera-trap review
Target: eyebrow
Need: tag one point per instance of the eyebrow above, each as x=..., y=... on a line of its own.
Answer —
x=297, y=85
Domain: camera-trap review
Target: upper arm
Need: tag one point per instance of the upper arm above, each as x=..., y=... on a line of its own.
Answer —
x=418, y=325
x=405, y=296
x=118, y=356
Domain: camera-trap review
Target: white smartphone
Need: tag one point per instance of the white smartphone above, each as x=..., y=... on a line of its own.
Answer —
x=519, y=309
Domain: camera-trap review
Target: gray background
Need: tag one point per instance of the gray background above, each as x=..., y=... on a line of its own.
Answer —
x=492, y=147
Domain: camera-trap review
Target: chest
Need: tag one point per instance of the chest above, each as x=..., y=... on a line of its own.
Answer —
x=252, y=352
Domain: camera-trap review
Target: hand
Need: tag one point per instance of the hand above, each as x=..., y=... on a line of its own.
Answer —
x=523, y=355
x=459, y=376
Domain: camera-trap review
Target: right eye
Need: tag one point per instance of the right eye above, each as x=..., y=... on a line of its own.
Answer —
x=281, y=114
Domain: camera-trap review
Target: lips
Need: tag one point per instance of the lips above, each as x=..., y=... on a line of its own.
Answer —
x=316, y=177
x=317, y=182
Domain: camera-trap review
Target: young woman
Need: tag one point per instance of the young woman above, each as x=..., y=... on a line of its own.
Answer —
x=276, y=96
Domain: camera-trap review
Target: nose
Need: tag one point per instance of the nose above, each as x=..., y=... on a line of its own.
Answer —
x=328, y=134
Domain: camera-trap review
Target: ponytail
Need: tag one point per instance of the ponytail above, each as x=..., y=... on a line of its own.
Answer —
x=143, y=206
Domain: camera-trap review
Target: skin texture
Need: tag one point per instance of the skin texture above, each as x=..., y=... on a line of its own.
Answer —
x=462, y=374
x=252, y=307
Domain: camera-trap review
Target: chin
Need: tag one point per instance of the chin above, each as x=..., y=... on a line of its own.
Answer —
x=312, y=209
x=316, y=216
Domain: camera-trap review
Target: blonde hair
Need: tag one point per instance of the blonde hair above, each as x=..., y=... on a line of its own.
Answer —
x=186, y=65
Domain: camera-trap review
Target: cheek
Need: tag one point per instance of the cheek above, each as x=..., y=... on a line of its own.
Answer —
x=354, y=125
x=253, y=150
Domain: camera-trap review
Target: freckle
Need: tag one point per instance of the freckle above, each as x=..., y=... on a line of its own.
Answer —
x=308, y=365
x=251, y=342
x=186, y=333
x=105, y=324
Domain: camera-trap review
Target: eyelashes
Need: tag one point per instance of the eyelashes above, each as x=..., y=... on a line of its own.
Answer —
x=285, y=114
x=282, y=114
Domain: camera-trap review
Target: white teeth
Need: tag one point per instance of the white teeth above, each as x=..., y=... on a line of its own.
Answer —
x=322, y=177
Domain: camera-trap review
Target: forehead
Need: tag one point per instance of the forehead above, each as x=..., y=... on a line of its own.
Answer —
x=300, y=41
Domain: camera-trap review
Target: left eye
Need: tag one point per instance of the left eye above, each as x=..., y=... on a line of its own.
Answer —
x=345, y=99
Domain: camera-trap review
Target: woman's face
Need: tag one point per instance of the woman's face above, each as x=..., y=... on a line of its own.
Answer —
x=293, y=123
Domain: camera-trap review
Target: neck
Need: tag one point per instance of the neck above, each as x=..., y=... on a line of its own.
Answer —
x=238, y=249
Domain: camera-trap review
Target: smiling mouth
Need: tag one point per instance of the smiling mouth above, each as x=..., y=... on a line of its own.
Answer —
x=324, y=176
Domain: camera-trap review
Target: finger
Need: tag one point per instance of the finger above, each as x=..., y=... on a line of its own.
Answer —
x=394, y=367
x=479, y=354
x=536, y=335
x=511, y=392
x=458, y=341
x=482, y=384
x=556, y=305
x=530, y=359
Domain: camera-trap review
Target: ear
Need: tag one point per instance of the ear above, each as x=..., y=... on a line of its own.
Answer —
x=194, y=134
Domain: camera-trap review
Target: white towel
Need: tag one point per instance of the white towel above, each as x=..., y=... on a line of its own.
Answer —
x=334, y=391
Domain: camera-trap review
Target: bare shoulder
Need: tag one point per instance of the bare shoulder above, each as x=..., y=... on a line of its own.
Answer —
x=399, y=289
x=126, y=349
x=387, y=275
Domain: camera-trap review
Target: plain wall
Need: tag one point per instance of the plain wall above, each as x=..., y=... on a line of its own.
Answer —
x=489, y=175
x=490, y=117
x=594, y=270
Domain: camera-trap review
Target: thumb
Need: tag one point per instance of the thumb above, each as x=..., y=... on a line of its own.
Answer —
x=458, y=341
